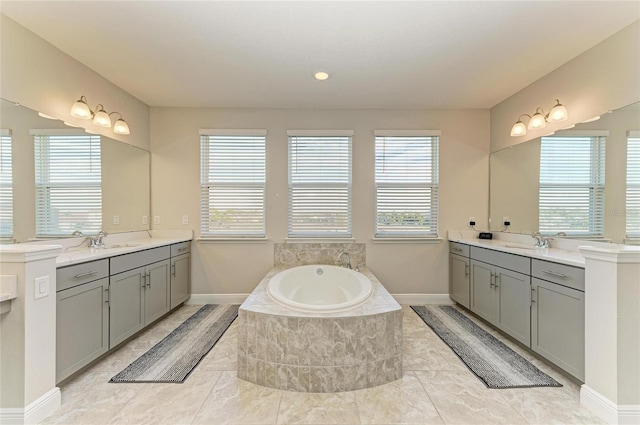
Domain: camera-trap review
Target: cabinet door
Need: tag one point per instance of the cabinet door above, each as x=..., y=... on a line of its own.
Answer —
x=126, y=315
x=557, y=330
x=82, y=326
x=180, y=279
x=514, y=314
x=156, y=294
x=484, y=297
x=459, y=279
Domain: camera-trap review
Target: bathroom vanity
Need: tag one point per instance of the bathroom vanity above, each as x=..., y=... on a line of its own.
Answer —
x=106, y=295
x=536, y=296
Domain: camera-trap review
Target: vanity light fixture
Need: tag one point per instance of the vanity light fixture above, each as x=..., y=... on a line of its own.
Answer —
x=539, y=119
x=102, y=118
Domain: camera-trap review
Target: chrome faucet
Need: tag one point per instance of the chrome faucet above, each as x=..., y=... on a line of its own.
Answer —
x=541, y=241
x=97, y=241
x=339, y=259
x=561, y=235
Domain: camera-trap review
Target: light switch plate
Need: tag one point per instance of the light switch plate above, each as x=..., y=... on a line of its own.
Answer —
x=41, y=289
x=116, y=219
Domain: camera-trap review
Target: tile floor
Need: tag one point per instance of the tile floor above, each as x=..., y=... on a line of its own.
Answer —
x=436, y=388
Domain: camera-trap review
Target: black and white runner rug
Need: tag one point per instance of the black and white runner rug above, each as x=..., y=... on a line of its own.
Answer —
x=173, y=358
x=497, y=365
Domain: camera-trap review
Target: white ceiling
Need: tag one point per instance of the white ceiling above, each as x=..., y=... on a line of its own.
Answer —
x=387, y=54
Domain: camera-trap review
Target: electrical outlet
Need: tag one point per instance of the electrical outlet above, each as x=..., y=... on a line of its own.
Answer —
x=116, y=219
x=156, y=219
x=41, y=289
x=472, y=221
x=505, y=218
x=185, y=219
x=145, y=219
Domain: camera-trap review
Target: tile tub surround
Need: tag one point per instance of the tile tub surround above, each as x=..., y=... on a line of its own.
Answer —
x=320, y=352
x=300, y=254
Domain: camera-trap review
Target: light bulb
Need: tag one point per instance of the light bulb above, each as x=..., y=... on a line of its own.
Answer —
x=558, y=113
x=121, y=127
x=537, y=121
x=80, y=109
x=518, y=129
x=102, y=119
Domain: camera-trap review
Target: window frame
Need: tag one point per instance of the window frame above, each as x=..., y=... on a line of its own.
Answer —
x=6, y=185
x=88, y=192
x=595, y=187
x=396, y=182
x=339, y=184
x=632, y=191
x=242, y=181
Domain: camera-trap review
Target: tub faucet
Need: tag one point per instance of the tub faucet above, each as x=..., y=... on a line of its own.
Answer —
x=339, y=259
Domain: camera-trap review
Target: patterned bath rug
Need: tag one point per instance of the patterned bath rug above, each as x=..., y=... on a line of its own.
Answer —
x=495, y=364
x=173, y=358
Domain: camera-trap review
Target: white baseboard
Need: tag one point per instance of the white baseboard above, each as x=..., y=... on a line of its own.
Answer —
x=35, y=412
x=607, y=410
x=201, y=299
x=410, y=299
x=419, y=299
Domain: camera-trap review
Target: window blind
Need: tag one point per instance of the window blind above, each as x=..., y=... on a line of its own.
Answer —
x=406, y=182
x=319, y=184
x=633, y=187
x=571, y=196
x=68, y=181
x=232, y=189
x=6, y=186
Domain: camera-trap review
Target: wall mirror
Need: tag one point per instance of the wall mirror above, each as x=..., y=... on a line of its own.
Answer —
x=122, y=170
x=515, y=176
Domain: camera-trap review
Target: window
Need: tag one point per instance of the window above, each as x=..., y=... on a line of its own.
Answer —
x=320, y=183
x=571, y=193
x=633, y=185
x=68, y=183
x=6, y=185
x=406, y=181
x=232, y=183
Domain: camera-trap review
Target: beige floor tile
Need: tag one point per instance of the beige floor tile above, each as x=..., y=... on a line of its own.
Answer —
x=170, y=404
x=400, y=402
x=234, y=401
x=318, y=408
x=462, y=399
x=420, y=354
x=223, y=356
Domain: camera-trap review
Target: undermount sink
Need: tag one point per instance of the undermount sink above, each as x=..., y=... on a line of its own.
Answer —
x=509, y=245
x=120, y=245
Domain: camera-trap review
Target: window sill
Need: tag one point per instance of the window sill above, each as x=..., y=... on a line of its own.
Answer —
x=632, y=241
x=232, y=240
x=427, y=241
x=319, y=240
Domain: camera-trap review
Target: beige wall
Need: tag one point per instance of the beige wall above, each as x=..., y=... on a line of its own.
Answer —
x=38, y=75
x=603, y=78
x=228, y=268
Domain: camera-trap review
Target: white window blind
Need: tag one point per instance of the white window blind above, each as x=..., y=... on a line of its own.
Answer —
x=406, y=181
x=232, y=184
x=320, y=184
x=633, y=186
x=68, y=184
x=6, y=186
x=571, y=196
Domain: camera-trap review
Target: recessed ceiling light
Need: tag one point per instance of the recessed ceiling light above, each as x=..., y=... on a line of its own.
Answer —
x=321, y=75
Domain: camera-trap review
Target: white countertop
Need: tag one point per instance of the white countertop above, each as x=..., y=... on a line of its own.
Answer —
x=556, y=255
x=84, y=254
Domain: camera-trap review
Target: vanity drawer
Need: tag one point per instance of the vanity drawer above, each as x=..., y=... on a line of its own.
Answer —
x=505, y=260
x=459, y=249
x=572, y=277
x=126, y=262
x=180, y=248
x=70, y=276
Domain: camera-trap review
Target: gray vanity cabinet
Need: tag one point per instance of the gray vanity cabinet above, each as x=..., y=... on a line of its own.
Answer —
x=180, y=273
x=459, y=271
x=82, y=316
x=557, y=315
x=139, y=295
x=501, y=291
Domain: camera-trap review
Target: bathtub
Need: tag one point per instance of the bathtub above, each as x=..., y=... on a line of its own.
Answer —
x=312, y=341
x=319, y=288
